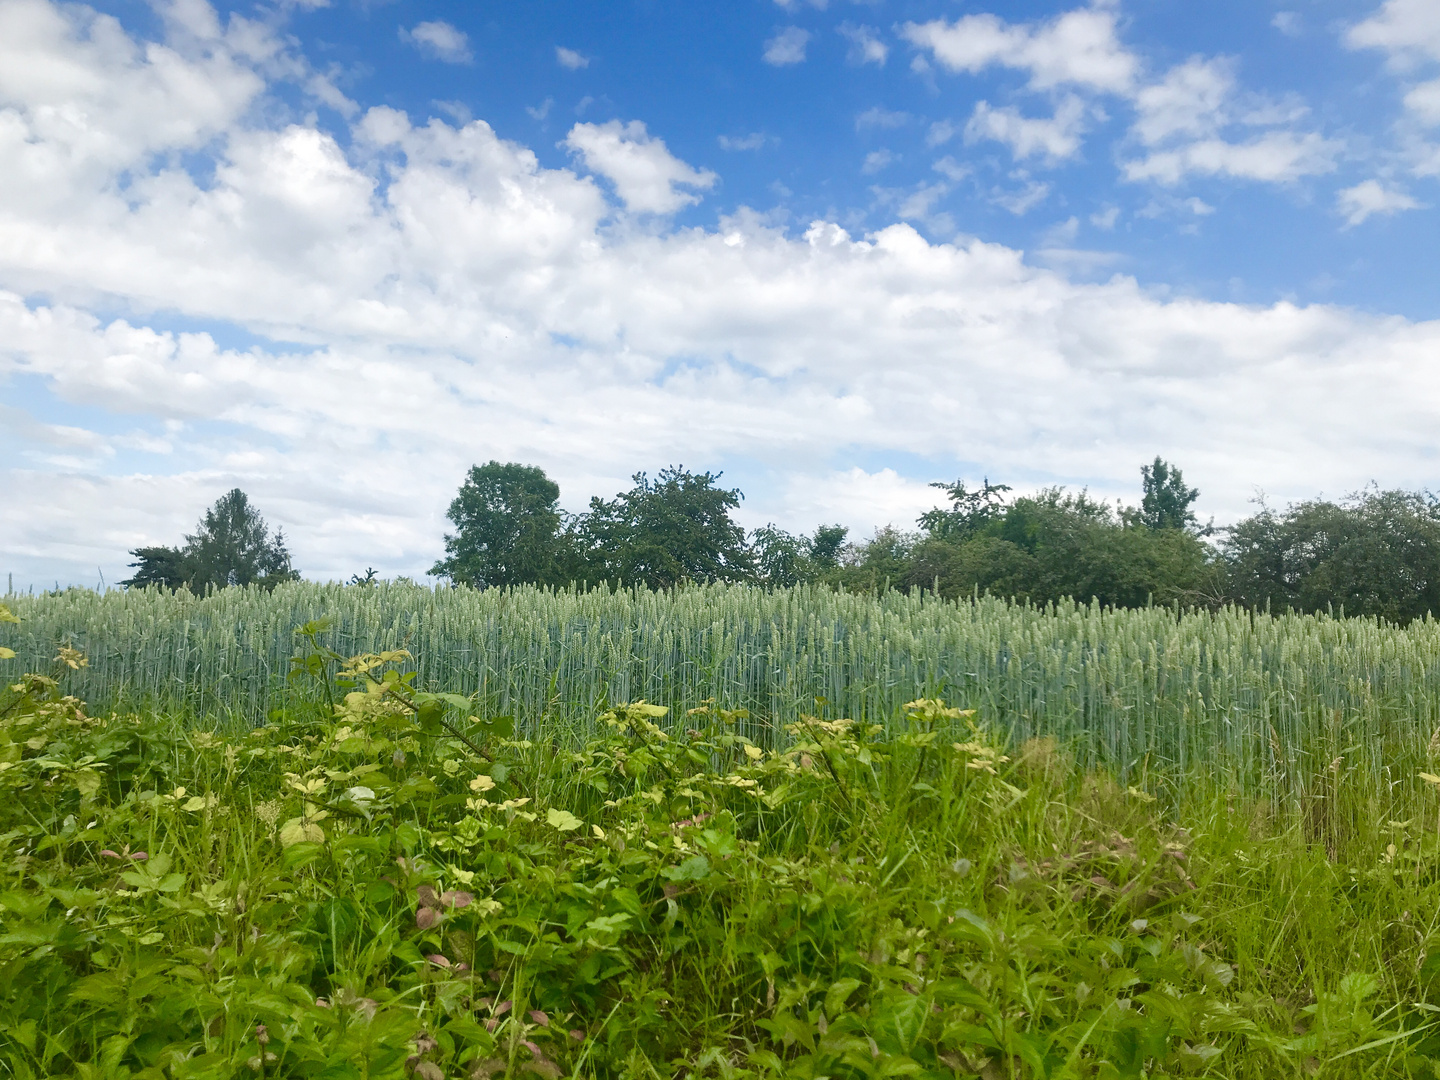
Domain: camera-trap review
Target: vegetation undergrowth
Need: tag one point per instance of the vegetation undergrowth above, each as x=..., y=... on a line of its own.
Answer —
x=380, y=884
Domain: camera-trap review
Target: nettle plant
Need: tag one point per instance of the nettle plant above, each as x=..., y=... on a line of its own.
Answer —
x=380, y=883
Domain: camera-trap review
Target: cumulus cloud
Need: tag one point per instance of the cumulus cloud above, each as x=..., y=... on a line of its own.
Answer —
x=1078, y=48
x=1424, y=101
x=647, y=177
x=1371, y=197
x=440, y=40
x=1181, y=118
x=1193, y=121
x=787, y=47
x=865, y=44
x=423, y=294
x=1278, y=157
x=1055, y=138
x=1189, y=101
x=1407, y=29
x=569, y=58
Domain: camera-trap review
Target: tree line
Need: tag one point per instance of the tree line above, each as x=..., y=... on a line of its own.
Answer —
x=1372, y=553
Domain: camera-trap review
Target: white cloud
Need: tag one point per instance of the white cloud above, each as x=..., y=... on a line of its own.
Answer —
x=1105, y=219
x=1056, y=138
x=1407, y=29
x=440, y=40
x=541, y=111
x=1278, y=157
x=1168, y=204
x=877, y=117
x=569, y=58
x=941, y=132
x=787, y=47
x=459, y=301
x=1288, y=23
x=1424, y=101
x=754, y=141
x=1189, y=101
x=1409, y=32
x=76, y=91
x=1021, y=201
x=1078, y=48
x=1372, y=197
x=877, y=160
x=1183, y=119
x=1183, y=116
x=951, y=169
x=1062, y=234
x=865, y=44
x=645, y=174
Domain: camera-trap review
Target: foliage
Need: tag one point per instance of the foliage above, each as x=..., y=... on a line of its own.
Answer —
x=157, y=566
x=1042, y=548
x=354, y=891
x=507, y=529
x=231, y=546
x=882, y=562
x=1166, y=501
x=662, y=532
x=1376, y=553
x=783, y=560
x=970, y=511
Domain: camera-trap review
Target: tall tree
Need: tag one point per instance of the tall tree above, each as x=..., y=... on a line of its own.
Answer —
x=1374, y=553
x=162, y=566
x=1166, y=500
x=233, y=546
x=665, y=531
x=507, y=529
x=825, y=546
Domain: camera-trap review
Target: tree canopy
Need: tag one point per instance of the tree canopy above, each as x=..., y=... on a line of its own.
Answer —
x=1376, y=553
x=665, y=531
x=1165, y=501
x=232, y=545
x=507, y=529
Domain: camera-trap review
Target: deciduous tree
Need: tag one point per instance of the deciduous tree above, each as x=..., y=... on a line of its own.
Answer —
x=508, y=529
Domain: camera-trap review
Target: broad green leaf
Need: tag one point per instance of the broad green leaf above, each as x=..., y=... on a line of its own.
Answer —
x=695, y=868
x=562, y=820
x=297, y=831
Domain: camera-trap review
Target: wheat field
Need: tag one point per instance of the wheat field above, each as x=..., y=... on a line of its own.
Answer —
x=1275, y=703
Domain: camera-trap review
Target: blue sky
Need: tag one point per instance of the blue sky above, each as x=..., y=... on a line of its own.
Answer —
x=334, y=253
x=838, y=136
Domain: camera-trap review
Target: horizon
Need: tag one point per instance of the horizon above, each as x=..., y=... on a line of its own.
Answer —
x=335, y=254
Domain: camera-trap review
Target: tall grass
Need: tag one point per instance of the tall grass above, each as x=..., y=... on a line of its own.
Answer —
x=1296, y=707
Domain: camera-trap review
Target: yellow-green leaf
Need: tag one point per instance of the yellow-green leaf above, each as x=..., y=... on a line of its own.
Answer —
x=562, y=820
x=298, y=831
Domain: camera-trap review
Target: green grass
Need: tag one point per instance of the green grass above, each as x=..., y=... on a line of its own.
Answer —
x=358, y=893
